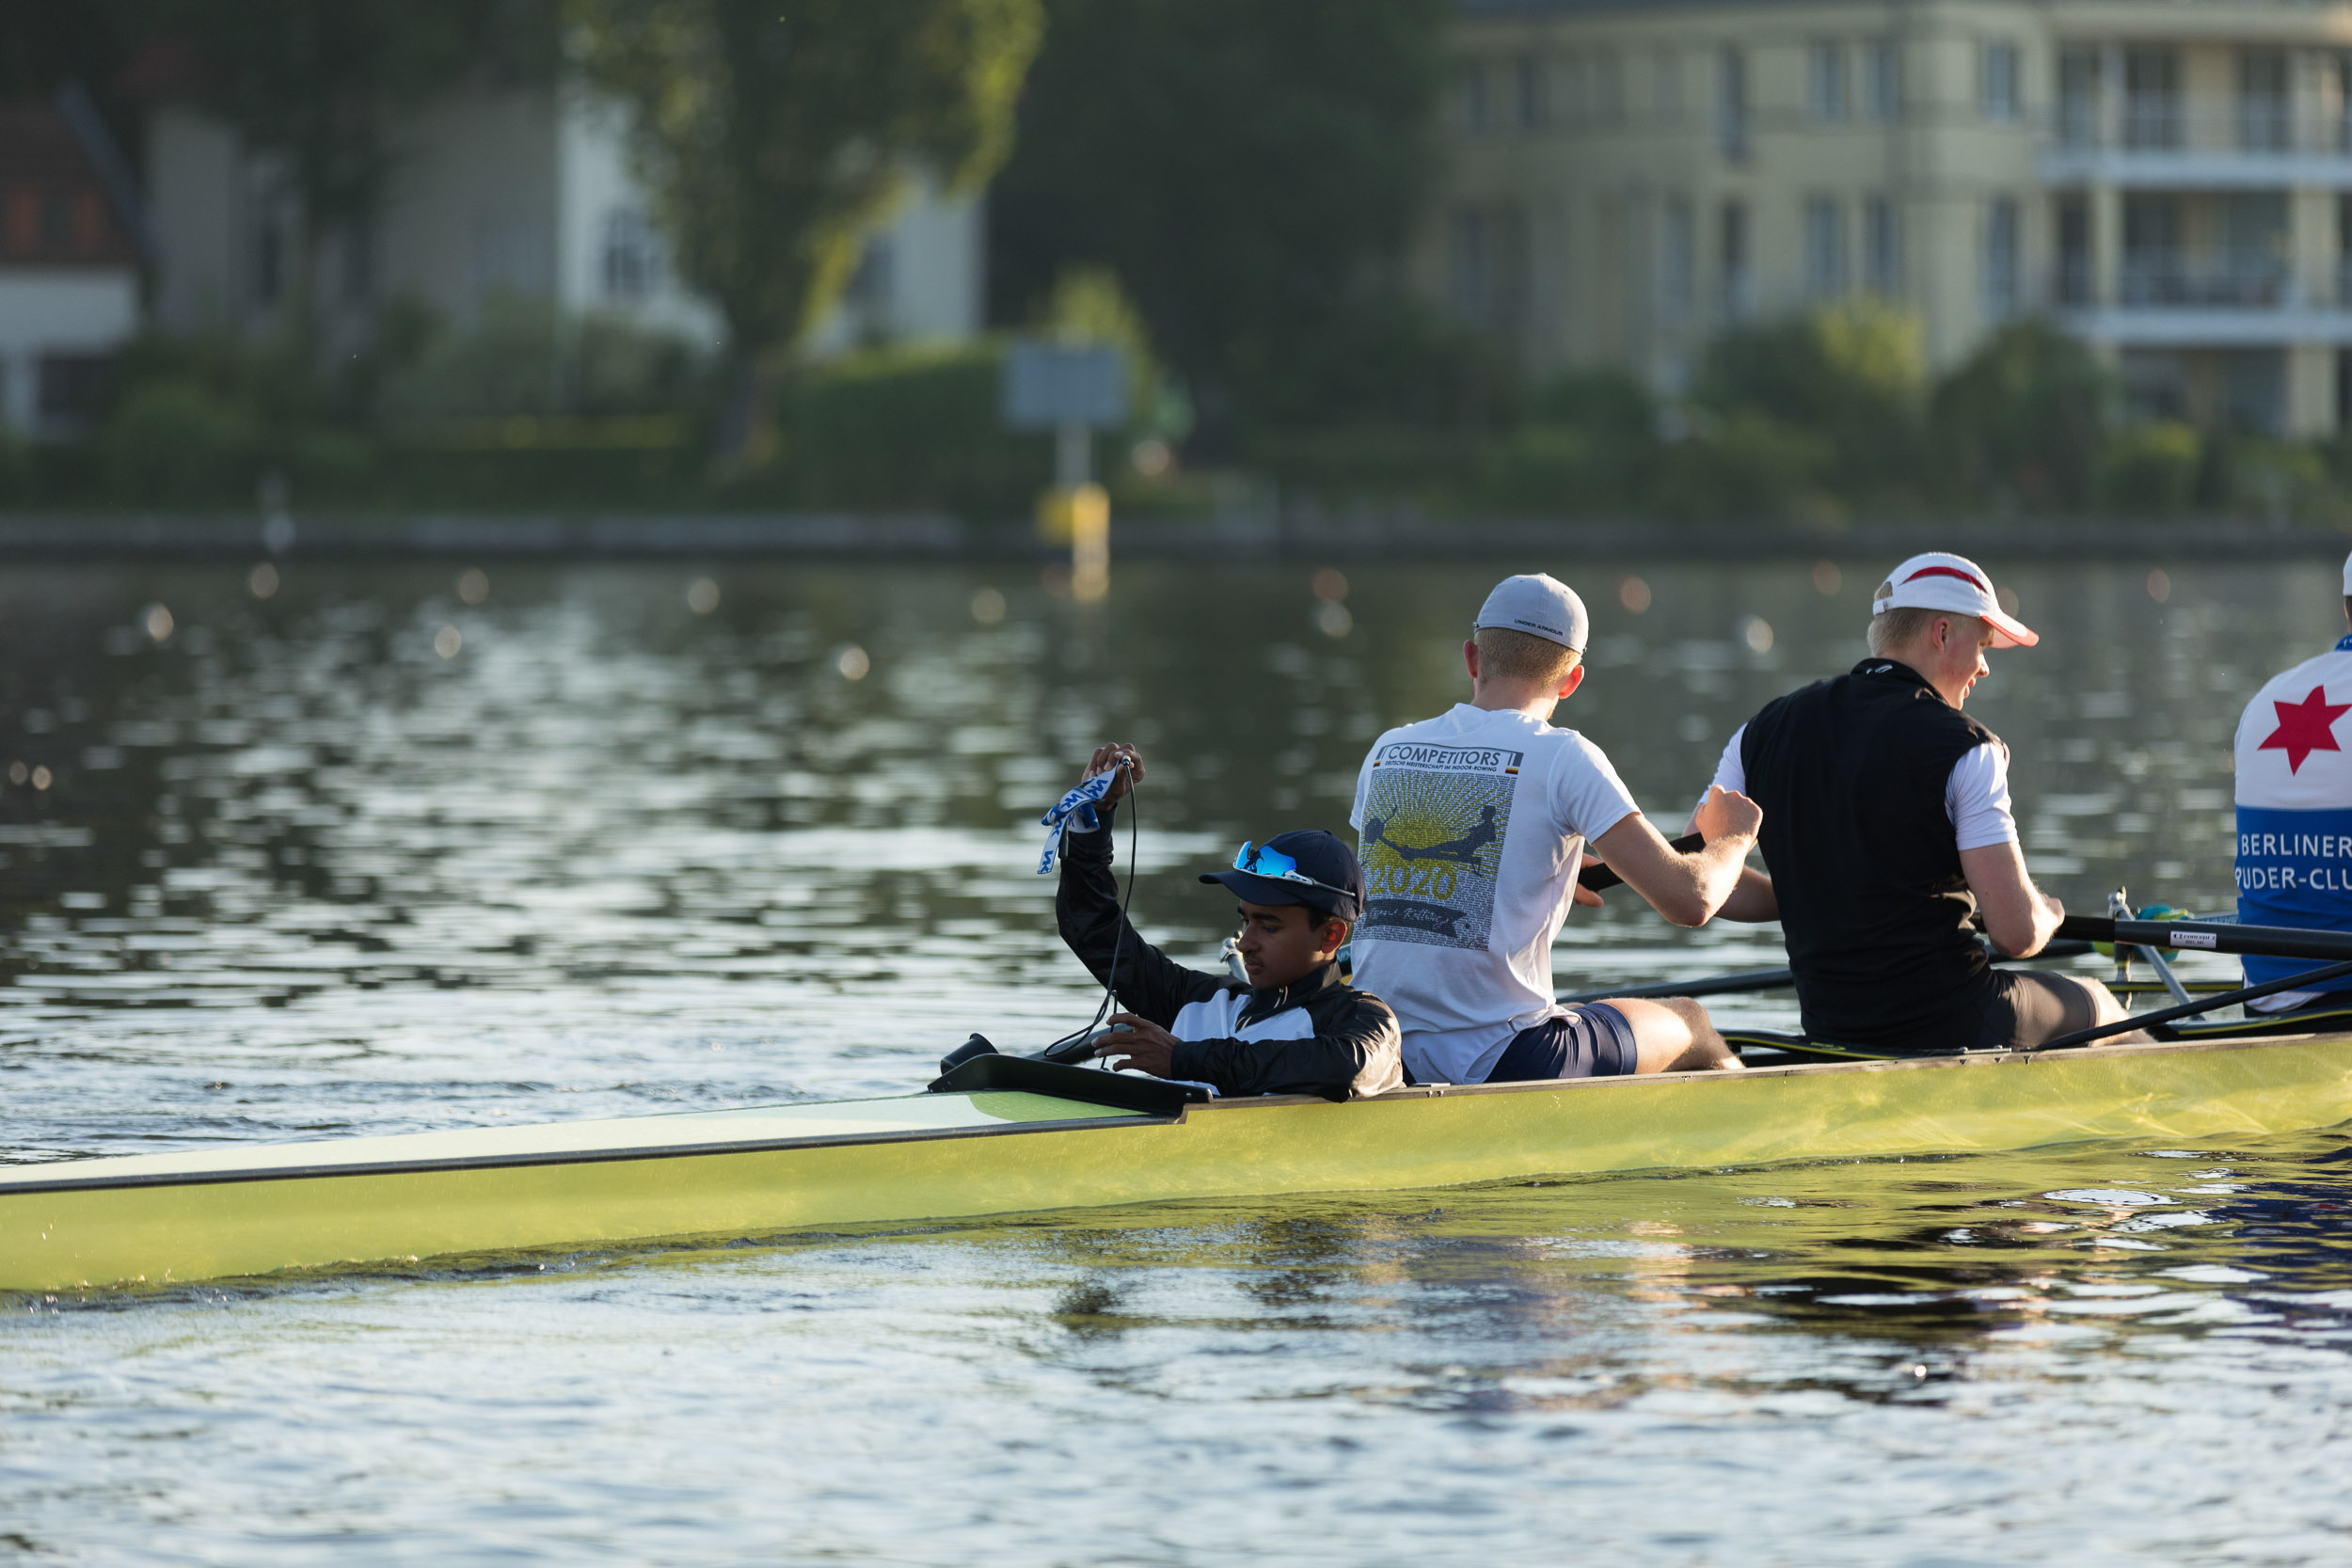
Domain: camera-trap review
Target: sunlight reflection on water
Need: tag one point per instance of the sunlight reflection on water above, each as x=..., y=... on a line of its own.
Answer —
x=634, y=845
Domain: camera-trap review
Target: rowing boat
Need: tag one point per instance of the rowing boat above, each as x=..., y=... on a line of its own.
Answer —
x=1003, y=1136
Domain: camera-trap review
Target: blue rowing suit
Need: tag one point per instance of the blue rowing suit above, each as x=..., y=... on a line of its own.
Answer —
x=2294, y=807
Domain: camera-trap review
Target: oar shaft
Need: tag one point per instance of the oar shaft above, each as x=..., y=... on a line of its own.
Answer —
x=2270, y=942
x=2205, y=1005
x=1599, y=876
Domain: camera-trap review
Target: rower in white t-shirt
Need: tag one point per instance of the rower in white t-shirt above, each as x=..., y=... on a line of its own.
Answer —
x=1473, y=827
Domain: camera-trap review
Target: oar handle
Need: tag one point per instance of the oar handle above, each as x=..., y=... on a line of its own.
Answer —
x=2269, y=941
x=1598, y=877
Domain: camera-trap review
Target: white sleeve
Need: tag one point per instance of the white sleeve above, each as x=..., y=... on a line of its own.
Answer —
x=1363, y=788
x=1976, y=798
x=1587, y=796
x=1730, y=772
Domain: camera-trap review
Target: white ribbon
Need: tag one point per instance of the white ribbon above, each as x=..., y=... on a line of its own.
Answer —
x=1077, y=806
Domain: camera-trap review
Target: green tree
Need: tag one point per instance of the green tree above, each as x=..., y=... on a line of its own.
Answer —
x=1853, y=375
x=2026, y=414
x=1244, y=168
x=776, y=137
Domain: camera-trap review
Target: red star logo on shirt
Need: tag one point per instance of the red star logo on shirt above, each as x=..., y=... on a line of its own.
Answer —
x=2306, y=727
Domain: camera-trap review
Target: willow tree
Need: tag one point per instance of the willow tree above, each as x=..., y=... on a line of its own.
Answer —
x=776, y=135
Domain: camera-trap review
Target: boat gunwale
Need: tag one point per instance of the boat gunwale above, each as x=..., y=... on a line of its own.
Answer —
x=574, y=1157
x=1103, y=1123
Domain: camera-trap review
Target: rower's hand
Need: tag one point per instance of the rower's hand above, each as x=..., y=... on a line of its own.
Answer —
x=1149, y=1048
x=1727, y=813
x=1585, y=896
x=1116, y=754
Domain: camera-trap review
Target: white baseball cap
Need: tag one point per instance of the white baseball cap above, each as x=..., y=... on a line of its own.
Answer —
x=1539, y=606
x=1939, y=582
x=2347, y=575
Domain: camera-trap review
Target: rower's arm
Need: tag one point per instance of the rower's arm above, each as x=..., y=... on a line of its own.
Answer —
x=1686, y=888
x=1752, y=901
x=2018, y=916
x=1086, y=907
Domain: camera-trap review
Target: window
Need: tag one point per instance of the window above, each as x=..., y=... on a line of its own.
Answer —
x=1827, y=79
x=1997, y=83
x=1667, y=85
x=1468, y=265
x=2078, y=96
x=2000, y=256
x=71, y=391
x=2074, y=249
x=1882, y=79
x=2262, y=100
x=1526, y=92
x=1675, y=267
x=1882, y=247
x=1824, y=248
x=1608, y=88
x=1476, y=113
x=2152, y=98
x=1575, y=102
x=632, y=262
x=1731, y=104
x=1736, y=276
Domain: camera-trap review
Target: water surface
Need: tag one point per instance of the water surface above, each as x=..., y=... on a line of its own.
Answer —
x=362, y=856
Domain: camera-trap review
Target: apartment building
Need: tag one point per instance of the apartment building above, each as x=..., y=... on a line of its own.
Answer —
x=2170, y=181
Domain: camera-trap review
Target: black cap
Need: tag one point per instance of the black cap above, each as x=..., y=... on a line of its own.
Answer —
x=1320, y=855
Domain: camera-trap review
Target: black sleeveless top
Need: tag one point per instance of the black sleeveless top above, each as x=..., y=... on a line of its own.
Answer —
x=1851, y=774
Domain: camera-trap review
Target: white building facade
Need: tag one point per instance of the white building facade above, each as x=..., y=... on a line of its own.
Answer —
x=517, y=192
x=2170, y=181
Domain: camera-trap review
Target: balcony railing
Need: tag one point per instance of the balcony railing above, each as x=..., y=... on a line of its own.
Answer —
x=2171, y=282
x=2167, y=124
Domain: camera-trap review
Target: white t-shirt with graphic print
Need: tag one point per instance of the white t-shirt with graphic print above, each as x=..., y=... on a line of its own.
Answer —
x=1472, y=827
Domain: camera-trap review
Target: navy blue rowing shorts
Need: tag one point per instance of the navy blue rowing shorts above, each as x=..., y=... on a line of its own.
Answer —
x=1593, y=1040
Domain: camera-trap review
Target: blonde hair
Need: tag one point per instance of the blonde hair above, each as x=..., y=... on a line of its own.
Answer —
x=1898, y=627
x=1519, y=656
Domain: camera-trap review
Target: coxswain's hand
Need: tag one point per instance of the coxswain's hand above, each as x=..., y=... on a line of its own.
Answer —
x=1585, y=896
x=1149, y=1048
x=1121, y=755
x=1727, y=813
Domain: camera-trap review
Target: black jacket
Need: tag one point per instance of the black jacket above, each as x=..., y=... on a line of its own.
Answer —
x=1851, y=774
x=1352, y=1052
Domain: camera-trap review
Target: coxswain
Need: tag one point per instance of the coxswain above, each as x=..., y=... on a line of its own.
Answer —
x=2295, y=816
x=1888, y=832
x=1471, y=831
x=1294, y=1027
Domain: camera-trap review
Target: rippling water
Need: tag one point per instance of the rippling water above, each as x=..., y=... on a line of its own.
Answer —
x=297, y=870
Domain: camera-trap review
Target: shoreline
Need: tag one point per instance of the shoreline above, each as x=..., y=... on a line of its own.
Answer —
x=1301, y=533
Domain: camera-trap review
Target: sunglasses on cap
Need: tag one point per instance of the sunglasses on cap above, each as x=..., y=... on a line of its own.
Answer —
x=1274, y=864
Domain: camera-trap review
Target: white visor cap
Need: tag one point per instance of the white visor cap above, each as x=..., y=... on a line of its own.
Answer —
x=2347, y=577
x=1939, y=582
x=1539, y=606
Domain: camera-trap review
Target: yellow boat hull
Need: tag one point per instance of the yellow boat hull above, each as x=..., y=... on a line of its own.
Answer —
x=241, y=1212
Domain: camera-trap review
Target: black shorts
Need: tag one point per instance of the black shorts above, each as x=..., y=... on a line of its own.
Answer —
x=1593, y=1040
x=2026, y=1007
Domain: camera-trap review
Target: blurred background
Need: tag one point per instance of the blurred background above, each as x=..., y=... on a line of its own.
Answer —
x=1763, y=262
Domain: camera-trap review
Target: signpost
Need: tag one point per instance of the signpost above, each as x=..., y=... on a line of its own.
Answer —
x=1072, y=389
